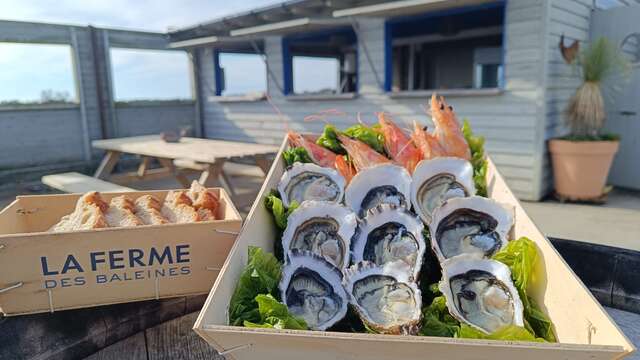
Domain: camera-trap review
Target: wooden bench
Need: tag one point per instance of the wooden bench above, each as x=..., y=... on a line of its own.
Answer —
x=73, y=182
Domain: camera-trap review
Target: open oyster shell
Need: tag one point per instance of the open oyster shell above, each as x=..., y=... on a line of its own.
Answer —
x=380, y=184
x=480, y=292
x=473, y=225
x=389, y=233
x=437, y=180
x=306, y=181
x=311, y=287
x=323, y=228
x=384, y=297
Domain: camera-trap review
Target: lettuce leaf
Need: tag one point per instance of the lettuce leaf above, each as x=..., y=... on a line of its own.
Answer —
x=511, y=332
x=296, y=154
x=275, y=315
x=260, y=276
x=277, y=209
x=521, y=257
x=436, y=320
x=368, y=135
x=478, y=159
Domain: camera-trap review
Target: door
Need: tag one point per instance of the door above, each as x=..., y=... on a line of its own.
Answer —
x=620, y=25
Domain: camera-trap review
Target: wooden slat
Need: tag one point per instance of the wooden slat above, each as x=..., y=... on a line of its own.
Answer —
x=73, y=182
x=133, y=348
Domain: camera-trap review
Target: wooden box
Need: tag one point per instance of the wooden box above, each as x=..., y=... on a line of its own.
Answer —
x=583, y=328
x=46, y=272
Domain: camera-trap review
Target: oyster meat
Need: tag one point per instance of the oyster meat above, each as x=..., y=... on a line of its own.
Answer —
x=311, y=287
x=473, y=225
x=437, y=180
x=323, y=228
x=389, y=233
x=306, y=181
x=480, y=292
x=380, y=184
x=384, y=297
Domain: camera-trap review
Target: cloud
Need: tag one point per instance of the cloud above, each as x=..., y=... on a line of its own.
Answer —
x=151, y=15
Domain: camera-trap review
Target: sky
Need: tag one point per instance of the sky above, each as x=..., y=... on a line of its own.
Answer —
x=136, y=74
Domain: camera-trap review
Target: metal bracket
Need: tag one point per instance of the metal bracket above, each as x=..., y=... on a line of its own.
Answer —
x=227, y=232
x=11, y=287
x=27, y=212
x=157, y=288
x=235, y=348
x=211, y=268
x=591, y=330
x=50, y=301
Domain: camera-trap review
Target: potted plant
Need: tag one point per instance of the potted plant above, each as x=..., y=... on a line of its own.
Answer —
x=582, y=159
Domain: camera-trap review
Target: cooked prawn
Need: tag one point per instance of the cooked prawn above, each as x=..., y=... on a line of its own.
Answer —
x=447, y=129
x=345, y=168
x=397, y=144
x=361, y=154
x=427, y=143
x=319, y=155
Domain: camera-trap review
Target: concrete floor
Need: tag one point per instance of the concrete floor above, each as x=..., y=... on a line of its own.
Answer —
x=630, y=324
x=616, y=223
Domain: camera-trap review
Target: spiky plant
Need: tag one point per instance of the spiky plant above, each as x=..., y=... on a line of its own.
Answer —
x=600, y=61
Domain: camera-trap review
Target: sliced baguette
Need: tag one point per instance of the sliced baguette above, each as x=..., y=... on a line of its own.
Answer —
x=147, y=208
x=121, y=213
x=89, y=213
x=204, y=201
x=178, y=208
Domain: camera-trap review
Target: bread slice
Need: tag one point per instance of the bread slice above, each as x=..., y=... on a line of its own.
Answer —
x=147, y=208
x=89, y=213
x=178, y=208
x=204, y=201
x=121, y=213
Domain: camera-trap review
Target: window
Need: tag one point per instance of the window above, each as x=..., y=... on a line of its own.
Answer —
x=241, y=75
x=321, y=63
x=456, y=49
x=37, y=74
x=142, y=75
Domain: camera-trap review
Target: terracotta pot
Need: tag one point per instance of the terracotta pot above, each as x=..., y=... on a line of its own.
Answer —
x=580, y=168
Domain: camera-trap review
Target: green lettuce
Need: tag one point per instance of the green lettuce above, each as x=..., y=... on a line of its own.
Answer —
x=278, y=210
x=296, y=154
x=511, y=332
x=261, y=276
x=436, y=320
x=521, y=257
x=478, y=159
x=275, y=315
x=368, y=135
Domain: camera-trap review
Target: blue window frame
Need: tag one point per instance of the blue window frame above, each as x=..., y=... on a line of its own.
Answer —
x=453, y=49
x=320, y=62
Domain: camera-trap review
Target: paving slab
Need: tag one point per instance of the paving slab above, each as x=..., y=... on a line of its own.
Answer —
x=630, y=324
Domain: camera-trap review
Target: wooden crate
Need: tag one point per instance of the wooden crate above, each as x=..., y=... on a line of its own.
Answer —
x=46, y=272
x=583, y=328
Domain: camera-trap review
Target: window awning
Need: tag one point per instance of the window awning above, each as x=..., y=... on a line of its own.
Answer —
x=289, y=26
x=406, y=7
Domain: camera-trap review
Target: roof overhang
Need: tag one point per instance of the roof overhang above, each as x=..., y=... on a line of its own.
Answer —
x=289, y=26
x=211, y=40
x=406, y=7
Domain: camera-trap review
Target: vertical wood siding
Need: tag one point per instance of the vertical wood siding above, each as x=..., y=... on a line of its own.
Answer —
x=571, y=18
x=509, y=120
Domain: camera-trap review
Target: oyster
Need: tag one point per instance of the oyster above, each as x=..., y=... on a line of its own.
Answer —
x=384, y=297
x=323, y=228
x=480, y=292
x=380, y=184
x=437, y=180
x=310, y=182
x=473, y=225
x=312, y=289
x=389, y=233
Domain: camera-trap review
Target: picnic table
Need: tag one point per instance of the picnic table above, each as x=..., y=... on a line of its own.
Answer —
x=188, y=154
